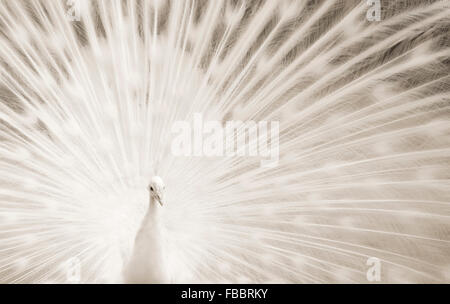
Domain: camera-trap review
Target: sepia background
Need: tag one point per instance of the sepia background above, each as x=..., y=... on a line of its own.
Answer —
x=89, y=91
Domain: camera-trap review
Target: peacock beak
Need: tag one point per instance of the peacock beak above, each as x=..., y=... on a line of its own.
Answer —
x=159, y=198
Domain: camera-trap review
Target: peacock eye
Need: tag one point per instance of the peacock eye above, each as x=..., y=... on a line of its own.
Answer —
x=151, y=188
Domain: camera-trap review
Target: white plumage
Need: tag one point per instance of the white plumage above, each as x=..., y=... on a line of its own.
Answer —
x=148, y=262
x=86, y=109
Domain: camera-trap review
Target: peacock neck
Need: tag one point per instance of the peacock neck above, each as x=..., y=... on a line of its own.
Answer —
x=153, y=214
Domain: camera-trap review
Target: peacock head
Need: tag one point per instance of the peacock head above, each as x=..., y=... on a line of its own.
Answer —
x=156, y=188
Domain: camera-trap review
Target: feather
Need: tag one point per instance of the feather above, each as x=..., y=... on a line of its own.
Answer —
x=90, y=92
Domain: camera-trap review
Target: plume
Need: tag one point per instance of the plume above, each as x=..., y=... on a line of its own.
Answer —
x=90, y=90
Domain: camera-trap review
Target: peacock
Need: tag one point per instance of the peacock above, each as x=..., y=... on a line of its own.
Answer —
x=148, y=264
x=91, y=191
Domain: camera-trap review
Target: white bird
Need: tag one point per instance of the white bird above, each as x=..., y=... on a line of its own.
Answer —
x=89, y=95
x=148, y=263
